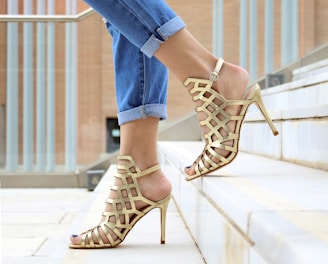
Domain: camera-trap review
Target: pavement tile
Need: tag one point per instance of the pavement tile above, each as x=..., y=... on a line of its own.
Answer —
x=36, y=225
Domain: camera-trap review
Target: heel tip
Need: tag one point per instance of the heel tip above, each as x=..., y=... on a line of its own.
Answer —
x=162, y=242
x=276, y=133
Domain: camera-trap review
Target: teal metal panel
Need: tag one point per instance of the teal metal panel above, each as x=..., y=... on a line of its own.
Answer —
x=289, y=31
x=243, y=34
x=253, y=50
x=12, y=91
x=51, y=92
x=41, y=91
x=269, y=36
x=28, y=88
x=70, y=93
x=294, y=30
x=218, y=28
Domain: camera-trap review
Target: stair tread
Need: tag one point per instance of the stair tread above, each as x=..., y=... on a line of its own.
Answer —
x=273, y=202
x=142, y=243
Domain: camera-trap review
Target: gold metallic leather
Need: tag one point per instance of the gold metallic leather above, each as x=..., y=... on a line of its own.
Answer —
x=214, y=105
x=124, y=214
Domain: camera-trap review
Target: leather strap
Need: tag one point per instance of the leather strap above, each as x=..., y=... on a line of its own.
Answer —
x=215, y=73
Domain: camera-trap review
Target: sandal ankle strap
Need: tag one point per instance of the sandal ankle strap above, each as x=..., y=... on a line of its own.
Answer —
x=215, y=73
x=138, y=173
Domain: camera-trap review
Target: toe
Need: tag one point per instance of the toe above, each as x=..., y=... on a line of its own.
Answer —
x=75, y=239
x=189, y=170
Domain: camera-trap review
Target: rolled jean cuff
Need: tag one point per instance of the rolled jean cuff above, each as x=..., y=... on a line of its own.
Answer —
x=143, y=111
x=165, y=31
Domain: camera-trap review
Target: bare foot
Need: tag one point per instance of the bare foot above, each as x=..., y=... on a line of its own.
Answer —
x=154, y=186
x=231, y=84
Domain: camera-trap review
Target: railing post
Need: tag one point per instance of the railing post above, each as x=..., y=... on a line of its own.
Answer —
x=289, y=31
x=285, y=42
x=2, y=138
x=294, y=30
x=218, y=28
x=268, y=35
x=45, y=152
x=51, y=94
x=243, y=34
x=40, y=85
x=253, y=51
x=28, y=87
x=70, y=84
x=12, y=91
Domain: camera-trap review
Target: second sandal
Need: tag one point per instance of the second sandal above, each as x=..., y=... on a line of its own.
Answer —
x=117, y=223
x=220, y=136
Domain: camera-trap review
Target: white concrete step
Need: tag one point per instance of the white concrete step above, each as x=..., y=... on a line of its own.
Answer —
x=37, y=223
x=142, y=245
x=255, y=210
x=311, y=70
x=300, y=112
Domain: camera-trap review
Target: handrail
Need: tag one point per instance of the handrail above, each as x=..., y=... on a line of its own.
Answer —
x=47, y=18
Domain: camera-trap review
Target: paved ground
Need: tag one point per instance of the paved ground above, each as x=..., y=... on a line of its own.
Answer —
x=36, y=224
x=33, y=220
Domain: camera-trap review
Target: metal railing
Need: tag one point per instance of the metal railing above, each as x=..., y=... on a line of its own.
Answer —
x=47, y=18
x=250, y=52
x=38, y=70
x=249, y=35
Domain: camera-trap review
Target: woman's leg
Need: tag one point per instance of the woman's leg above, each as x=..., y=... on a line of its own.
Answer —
x=153, y=28
x=186, y=57
x=146, y=24
x=140, y=82
x=138, y=140
x=141, y=92
x=158, y=31
x=193, y=60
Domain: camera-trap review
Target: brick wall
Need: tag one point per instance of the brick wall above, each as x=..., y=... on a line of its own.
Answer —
x=95, y=83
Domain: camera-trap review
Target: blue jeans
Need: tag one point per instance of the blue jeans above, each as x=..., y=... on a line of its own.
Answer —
x=138, y=28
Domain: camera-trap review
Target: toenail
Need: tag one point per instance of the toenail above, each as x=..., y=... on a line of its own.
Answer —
x=75, y=235
x=188, y=167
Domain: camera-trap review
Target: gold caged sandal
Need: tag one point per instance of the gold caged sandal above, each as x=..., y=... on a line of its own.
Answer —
x=124, y=214
x=220, y=135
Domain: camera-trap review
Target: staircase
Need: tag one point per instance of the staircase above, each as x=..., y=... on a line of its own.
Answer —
x=300, y=109
x=271, y=204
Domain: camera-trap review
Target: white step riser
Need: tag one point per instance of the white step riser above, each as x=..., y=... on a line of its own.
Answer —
x=301, y=117
x=216, y=235
x=254, y=211
x=310, y=70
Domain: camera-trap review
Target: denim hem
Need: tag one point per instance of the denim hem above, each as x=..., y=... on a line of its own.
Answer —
x=143, y=111
x=167, y=30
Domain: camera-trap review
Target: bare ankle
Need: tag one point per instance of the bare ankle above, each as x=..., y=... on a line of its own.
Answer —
x=232, y=82
x=155, y=186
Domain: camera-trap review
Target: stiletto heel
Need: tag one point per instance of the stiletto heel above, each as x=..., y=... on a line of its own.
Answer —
x=257, y=99
x=117, y=223
x=163, y=209
x=220, y=137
